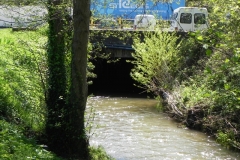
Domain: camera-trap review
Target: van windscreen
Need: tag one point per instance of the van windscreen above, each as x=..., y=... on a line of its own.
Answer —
x=186, y=18
x=199, y=18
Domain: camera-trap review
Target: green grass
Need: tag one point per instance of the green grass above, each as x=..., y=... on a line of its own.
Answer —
x=23, y=72
x=22, y=106
x=21, y=65
x=98, y=153
x=15, y=146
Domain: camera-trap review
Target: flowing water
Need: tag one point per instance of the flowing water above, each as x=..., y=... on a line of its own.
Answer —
x=133, y=129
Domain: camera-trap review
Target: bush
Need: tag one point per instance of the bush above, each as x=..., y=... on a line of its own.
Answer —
x=156, y=60
x=14, y=145
x=99, y=154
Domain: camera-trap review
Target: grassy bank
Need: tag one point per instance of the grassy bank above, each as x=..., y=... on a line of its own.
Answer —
x=22, y=107
x=14, y=144
x=21, y=66
x=22, y=97
x=212, y=96
x=196, y=78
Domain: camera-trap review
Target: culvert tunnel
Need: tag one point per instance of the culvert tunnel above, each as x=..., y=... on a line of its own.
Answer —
x=113, y=79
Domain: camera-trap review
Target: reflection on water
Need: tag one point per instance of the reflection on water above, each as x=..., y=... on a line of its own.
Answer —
x=132, y=129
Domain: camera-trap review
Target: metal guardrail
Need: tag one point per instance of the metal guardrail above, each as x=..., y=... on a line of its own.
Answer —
x=118, y=46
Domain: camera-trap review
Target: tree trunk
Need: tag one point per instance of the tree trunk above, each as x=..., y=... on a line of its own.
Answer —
x=78, y=95
x=56, y=93
x=65, y=122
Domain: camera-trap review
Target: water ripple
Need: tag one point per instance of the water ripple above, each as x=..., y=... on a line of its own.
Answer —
x=132, y=129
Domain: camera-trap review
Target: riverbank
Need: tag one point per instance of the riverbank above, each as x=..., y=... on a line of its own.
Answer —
x=133, y=129
x=218, y=122
x=197, y=78
x=22, y=108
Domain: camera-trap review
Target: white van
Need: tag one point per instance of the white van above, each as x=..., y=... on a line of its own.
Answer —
x=189, y=19
x=144, y=21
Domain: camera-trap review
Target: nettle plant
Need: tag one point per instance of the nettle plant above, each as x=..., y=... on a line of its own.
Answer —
x=155, y=60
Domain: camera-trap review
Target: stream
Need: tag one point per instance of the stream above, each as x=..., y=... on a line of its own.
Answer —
x=133, y=129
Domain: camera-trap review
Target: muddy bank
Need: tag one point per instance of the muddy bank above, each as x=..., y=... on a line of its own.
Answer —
x=223, y=126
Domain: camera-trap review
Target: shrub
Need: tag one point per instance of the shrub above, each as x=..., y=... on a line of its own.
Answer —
x=156, y=61
x=14, y=145
x=99, y=154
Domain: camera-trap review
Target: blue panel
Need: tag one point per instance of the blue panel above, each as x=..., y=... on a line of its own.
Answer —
x=128, y=9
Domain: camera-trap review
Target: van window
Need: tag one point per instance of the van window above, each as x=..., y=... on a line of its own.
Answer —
x=199, y=18
x=186, y=18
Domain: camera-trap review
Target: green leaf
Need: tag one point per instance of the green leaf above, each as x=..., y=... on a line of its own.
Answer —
x=226, y=86
x=200, y=38
x=208, y=69
x=206, y=95
x=227, y=60
x=192, y=34
x=208, y=52
x=233, y=93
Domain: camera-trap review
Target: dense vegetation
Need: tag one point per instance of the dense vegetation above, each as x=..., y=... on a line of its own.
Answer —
x=22, y=109
x=22, y=97
x=198, y=77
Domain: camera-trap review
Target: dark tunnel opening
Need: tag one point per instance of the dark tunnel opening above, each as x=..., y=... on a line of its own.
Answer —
x=113, y=79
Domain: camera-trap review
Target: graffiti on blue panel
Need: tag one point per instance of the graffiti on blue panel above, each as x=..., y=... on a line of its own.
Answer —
x=130, y=8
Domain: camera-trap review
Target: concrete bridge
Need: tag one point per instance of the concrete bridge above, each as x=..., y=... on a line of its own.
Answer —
x=114, y=78
x=118, y=42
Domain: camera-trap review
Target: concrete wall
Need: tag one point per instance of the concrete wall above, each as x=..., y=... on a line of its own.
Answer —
x=22, y=16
